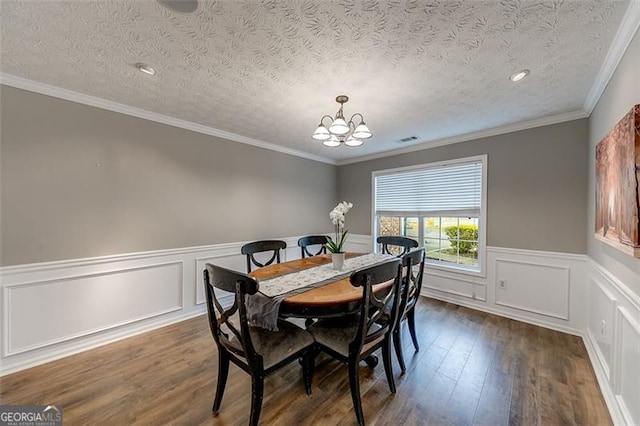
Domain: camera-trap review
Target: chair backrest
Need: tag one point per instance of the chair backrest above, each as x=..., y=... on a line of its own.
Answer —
x=220, y=319
x=250, y=249
x=402, y=244
x=414, y=264
x=378, y=315
x=313, y=240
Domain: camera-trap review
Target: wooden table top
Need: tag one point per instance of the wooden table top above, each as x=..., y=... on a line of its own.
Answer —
x=334, y=293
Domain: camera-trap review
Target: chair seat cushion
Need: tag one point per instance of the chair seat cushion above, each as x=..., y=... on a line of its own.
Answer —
x=338, y=334
x=275, y=346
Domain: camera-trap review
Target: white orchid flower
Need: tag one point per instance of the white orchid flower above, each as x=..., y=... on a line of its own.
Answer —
x=337, y=216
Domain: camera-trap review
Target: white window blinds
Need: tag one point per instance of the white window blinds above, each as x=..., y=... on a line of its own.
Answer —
x=454, y=188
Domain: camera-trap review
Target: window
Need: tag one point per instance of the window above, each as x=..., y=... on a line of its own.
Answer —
x=441, y=205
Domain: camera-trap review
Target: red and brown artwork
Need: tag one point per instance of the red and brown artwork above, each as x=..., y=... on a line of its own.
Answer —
x=618, y=185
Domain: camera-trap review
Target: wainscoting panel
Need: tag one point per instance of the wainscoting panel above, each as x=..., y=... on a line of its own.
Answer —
x=527, y=286
x=542, y=288
x=229, y=261
x=602, y=309
x=359, y=243
x=612, y=338
x=628, y=350
x=43, y=313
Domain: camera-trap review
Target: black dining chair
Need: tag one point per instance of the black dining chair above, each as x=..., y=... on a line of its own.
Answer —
x=399, y=245
x=355, y=339
x=255, y=350
x=413, y=265
x=250, y=249
x=313, y=240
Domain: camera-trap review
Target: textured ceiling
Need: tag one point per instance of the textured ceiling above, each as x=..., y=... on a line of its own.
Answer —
x=268, y=70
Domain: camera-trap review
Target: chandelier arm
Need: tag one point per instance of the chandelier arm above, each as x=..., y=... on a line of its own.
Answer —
x=353, y=116
x=326, y=116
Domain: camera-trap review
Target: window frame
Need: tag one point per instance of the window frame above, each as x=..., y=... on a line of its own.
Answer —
x=481, y=269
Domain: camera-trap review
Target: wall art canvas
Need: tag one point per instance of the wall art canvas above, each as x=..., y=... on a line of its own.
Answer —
x=618, y=185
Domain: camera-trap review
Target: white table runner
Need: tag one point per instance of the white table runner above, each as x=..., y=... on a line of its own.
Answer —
x=308, y=277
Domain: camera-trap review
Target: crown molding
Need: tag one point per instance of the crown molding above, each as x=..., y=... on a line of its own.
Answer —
x=624, y=35
x=70, y=95
x=495, y=131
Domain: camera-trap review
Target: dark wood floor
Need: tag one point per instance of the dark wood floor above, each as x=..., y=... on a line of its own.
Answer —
x=473, y=368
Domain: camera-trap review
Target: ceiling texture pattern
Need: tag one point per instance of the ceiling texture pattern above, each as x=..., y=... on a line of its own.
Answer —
x=268, y=70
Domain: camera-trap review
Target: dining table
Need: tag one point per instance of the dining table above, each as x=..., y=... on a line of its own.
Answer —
x=333, y=299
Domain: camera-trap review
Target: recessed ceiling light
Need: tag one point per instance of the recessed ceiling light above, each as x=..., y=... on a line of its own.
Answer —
x=146, y=69
x=517, y=76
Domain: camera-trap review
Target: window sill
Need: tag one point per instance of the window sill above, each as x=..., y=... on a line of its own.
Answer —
x=456, y=269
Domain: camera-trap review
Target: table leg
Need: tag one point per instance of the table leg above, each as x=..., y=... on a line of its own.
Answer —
x=371, y=361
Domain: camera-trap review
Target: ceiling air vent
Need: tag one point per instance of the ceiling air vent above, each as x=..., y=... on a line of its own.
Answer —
x=407, y=139
x=181, y=6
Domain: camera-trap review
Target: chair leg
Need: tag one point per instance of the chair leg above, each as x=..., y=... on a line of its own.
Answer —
x=397, y=343
x=223, y=372
x=354, y=381
x=257, y=392
x=388, y=367
x=412, y=327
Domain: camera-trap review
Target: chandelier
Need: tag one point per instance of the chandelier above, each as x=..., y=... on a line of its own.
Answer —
x=340, y=131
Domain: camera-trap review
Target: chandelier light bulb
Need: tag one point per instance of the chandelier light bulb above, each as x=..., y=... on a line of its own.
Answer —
x=321, y=133
x=351, y=141
x=362, y=132
x=339, y=127
x=332, y=141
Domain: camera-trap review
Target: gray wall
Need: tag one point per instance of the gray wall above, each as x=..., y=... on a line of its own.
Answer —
x=622, y=92
x=78, y=181
x=536, y=185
